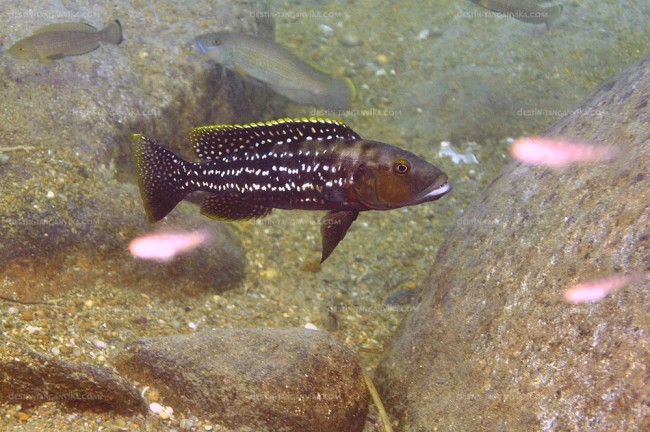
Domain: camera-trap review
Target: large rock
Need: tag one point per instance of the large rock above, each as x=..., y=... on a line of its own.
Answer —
x=488, y=76
x=67, y=126
x=30, y=379
x=255, y=379
x=491, y=345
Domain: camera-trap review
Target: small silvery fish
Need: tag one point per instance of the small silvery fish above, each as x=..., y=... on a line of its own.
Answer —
x=523, y=10
x=306, y=164
x=56, y=41
x=276, y=68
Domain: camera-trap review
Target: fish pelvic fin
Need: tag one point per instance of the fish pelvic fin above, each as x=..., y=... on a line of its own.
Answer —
x=553, y=13
x=334, y=227
x=112, y=33
x=162, y=177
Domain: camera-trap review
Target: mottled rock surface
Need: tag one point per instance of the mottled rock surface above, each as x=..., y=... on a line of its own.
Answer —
x=30, y=379
x=67, y=125
x=260, y=379
x=486, y=76
x=491, y=345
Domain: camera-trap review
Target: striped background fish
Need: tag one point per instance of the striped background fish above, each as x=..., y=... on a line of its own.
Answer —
x=307, y=164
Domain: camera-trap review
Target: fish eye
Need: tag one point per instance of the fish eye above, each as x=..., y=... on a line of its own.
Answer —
x=401, y=167
x=216, y=41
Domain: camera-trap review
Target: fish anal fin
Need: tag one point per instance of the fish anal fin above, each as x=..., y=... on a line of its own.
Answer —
x=334, y=226
x=228, y=208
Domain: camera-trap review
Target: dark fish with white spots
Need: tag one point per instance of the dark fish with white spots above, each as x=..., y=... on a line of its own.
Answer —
x=306, y=164
x=273, y=66
x=60, y=40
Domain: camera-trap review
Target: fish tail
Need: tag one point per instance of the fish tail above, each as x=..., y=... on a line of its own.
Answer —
x=339, y=95
x=162, y=177
x=112, y=33
x=552, y=13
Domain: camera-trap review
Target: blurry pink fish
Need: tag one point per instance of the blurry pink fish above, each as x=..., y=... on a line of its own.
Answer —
x=164, y=246
x=555, y=153
x=597, y=289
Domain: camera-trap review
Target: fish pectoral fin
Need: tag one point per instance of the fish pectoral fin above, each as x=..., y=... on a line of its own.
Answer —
x=231, y=208
x=241, y=71
x=334, y=226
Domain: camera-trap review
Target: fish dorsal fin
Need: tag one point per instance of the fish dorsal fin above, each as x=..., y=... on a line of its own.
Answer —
x=217, y=141
x=74, y=26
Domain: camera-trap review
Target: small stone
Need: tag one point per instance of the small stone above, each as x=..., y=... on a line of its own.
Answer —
x=23, y=416
x=89, y=303
x=350, y=40
x=27, y=315
x=325, y=30
x=4, y=158
x=98, y=343
x=269, y=273
x=56, y=351
x=311, y=266
x=155, y=407
x=382, y=59
x=153, y=395
x=50, y=194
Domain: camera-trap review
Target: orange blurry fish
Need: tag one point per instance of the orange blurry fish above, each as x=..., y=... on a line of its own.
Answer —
x=597, y=289
x=164, y=246
x=559, y=152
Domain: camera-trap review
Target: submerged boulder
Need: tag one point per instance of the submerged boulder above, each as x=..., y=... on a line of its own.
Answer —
x=29, y=379
x=65, y=151
x=491, y=344
x=260, y=379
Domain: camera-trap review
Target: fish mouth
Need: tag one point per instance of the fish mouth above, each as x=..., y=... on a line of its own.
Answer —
x=435, y=192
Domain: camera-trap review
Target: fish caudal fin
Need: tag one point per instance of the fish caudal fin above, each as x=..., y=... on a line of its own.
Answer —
x=552, y=13
x=112, y=33
x=340, y=93
x=162, y=177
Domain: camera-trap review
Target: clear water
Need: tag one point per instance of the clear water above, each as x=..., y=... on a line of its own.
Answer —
x=426, y=72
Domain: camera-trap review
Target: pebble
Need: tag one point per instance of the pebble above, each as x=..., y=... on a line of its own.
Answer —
x=27, y=315
x=325, y=30
x=23, y=416
x=4, y=158
x=350, y=40
x=56, y=351
x=382, y=59
x=99, y=343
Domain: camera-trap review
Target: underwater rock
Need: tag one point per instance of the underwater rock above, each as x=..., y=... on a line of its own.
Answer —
x=98, y=248
x=29, y=379
x=263, y=379
x=489, y=76
x=67, y=128
x=492, y=345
